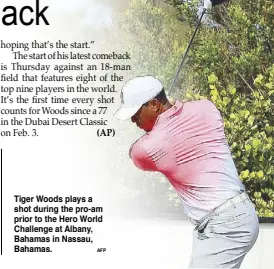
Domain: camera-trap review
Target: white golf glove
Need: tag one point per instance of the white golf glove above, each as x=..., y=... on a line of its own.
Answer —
x=207, y=4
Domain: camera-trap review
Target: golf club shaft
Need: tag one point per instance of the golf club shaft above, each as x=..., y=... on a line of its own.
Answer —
x=185, y=54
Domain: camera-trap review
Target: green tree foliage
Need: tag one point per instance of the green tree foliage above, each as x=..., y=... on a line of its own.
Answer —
x=230, y=62
x=233, y=66
x=154, y=37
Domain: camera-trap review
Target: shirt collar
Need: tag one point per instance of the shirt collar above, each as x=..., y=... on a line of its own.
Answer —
x=171, y=112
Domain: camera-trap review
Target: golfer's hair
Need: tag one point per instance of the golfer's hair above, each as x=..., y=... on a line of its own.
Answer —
x=161, y=97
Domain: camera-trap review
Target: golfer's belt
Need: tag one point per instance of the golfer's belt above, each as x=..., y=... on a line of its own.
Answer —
x=227, y=204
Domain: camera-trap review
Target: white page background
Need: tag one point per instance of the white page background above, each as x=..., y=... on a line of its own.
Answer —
x=74, y=161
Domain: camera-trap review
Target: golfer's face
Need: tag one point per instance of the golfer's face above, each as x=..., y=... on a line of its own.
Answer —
x=145, y=117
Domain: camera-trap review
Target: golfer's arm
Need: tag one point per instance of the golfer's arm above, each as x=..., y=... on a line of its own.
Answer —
x=141, y=158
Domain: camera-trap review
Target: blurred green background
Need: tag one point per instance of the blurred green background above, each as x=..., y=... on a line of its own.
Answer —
x=230, y=63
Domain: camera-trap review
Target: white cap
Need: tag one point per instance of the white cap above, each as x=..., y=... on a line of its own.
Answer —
x=135, y=93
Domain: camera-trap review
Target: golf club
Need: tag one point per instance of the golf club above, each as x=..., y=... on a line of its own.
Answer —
x=185, y=54
x=213, y=3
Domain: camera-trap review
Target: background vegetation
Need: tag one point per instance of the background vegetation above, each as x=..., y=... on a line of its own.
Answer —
x=230, y=62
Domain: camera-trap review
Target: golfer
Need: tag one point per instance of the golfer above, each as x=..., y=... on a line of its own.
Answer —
x=186, y=143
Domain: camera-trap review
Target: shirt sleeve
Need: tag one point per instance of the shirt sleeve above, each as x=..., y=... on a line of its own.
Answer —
x=141, y=158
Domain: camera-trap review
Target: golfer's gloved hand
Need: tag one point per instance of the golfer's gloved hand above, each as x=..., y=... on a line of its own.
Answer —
x=207, y=4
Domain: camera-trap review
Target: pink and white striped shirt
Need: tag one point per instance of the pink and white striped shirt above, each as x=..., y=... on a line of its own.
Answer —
x=188, y=145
